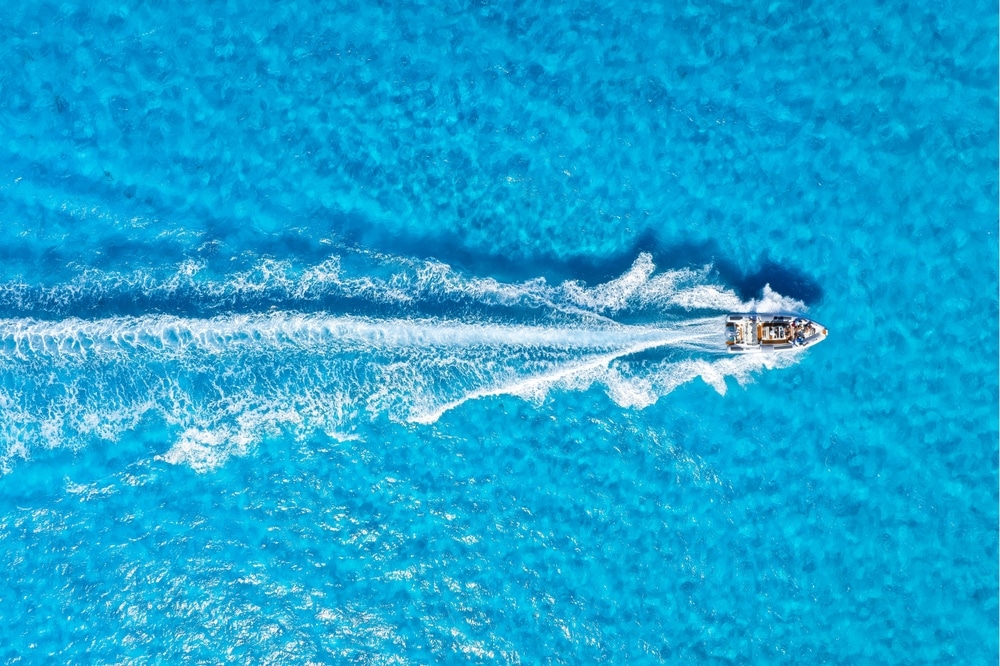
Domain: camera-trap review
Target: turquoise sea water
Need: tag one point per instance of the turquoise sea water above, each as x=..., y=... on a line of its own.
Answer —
x=387, y=333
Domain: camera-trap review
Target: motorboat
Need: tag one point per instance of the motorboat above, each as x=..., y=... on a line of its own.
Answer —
x=751, y=333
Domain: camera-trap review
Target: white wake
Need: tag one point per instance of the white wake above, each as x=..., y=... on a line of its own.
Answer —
x=219, y=384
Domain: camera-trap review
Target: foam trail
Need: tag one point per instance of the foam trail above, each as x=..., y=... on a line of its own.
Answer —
x=60, y=342
x=354, y=281
x=282, y=349
x=535, y=385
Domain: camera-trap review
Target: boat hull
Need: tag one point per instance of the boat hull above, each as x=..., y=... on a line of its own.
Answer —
x=771, y=333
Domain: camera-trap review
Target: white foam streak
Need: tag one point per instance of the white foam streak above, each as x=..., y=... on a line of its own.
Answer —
x=537, y=386
x=772, y=301
x=375, y=278
x=218, y=385
x=170, y=336
x=616, y=294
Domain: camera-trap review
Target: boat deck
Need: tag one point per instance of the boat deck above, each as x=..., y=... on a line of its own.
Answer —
x=774, y=333
x=763, y=332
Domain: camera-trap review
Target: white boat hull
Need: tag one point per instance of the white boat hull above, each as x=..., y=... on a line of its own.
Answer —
x=762, y=333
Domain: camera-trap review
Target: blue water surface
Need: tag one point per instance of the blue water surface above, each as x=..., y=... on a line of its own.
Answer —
x=381, y=333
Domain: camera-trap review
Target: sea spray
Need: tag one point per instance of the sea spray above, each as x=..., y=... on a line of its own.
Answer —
x=220, y=383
